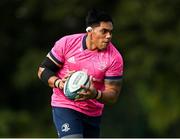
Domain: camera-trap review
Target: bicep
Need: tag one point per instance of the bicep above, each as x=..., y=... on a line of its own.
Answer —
x=51, y=63
x=113, y=85
x=112, y=90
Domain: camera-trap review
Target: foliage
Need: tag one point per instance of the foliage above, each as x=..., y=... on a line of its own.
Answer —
x=145, y=32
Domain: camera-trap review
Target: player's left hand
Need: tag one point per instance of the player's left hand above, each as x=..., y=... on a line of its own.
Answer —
x=88, y=93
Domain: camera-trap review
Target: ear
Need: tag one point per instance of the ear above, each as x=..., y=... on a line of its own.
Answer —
x=88, y=29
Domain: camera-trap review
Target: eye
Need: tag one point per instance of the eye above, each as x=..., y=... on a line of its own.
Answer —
x=103, y=31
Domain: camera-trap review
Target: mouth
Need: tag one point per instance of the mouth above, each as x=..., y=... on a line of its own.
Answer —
x=107, y=42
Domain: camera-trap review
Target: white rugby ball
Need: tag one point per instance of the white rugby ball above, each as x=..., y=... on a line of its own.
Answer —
x=73, y=84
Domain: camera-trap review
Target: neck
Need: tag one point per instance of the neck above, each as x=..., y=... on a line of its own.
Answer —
x=90, y=45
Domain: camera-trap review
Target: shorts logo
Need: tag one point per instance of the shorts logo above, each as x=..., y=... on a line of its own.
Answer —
x=65, y=127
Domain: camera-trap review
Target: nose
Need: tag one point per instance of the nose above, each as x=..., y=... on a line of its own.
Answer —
x=108, y=35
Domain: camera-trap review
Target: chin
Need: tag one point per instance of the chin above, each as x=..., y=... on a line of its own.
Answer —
x=103, y=48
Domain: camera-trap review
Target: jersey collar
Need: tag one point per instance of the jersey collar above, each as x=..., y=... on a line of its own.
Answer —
x=84, y=42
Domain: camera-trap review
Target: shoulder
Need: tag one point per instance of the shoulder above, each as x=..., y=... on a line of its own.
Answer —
x=72, y=37
x=114, y=53
x=69, y=40
x=115, y=63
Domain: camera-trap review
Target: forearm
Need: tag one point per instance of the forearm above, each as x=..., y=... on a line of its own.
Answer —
x=51, y=80
x=111, y=93
x=47, y=72
x=109, y=97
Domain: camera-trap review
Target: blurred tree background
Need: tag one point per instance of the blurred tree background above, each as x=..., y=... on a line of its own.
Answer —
x=146, y=32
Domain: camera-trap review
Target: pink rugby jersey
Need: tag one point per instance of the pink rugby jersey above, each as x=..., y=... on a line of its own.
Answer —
x=72, y=53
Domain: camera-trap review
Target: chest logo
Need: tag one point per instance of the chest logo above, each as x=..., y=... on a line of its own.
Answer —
x=102, y=66
x=71, y=59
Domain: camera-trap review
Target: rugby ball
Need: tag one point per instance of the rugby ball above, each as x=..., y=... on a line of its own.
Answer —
x=73, y=84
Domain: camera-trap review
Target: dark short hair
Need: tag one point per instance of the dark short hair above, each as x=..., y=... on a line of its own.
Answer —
x=95, y=16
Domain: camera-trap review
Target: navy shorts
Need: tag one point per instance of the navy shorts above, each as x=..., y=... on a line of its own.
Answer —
x=70, y=123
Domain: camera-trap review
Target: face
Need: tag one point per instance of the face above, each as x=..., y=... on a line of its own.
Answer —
x=101, y=35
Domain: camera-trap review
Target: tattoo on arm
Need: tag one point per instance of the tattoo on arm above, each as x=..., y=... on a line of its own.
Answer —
x=114, y=85
x=111, y=92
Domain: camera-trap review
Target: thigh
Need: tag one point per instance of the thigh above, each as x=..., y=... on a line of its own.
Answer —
x=91, y=127
x=67, y=122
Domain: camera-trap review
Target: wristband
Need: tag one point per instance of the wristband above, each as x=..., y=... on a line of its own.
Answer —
x=96, y=94
x=57, y=82
x=99, y=94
